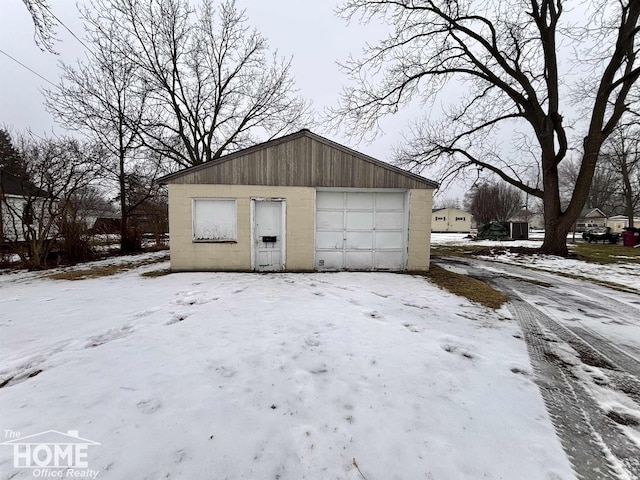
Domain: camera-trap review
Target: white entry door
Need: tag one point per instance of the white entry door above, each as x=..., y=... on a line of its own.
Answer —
x=268, y=235
x=361, y=230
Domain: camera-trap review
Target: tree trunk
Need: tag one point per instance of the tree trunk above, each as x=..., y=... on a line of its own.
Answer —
x=627, y=192
x=555, y=239
x=126, y=245
x=556, y=230
x=556, y=223
x=35, y=258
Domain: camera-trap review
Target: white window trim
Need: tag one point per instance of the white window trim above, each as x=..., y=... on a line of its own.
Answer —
x=234, y=238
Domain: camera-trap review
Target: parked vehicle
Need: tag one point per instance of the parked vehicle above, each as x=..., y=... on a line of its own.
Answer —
x=601, y=235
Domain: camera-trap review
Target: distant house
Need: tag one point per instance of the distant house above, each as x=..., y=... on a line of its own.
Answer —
x=590, y=218
x=618, y=222
x=94, y=217
x=299, y=203
x=104, y=225
x=17, y=200
x=452, y=220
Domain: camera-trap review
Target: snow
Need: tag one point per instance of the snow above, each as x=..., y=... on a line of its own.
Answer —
x=621, y=330
x=463, y=239
x=124, y=260
x=623, y=274
x=289, y=376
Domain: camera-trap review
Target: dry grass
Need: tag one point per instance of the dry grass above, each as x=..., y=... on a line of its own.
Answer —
x=587, y=252
x=606, y=254
x=156, y=273
x=96, y=272
x=475, y=290
x=443, y=250
x=103, y=271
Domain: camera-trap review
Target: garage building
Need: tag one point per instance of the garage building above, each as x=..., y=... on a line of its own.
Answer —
x=299, y=203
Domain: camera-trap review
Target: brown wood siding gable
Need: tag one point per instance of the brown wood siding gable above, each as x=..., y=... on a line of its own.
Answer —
x=301, y=161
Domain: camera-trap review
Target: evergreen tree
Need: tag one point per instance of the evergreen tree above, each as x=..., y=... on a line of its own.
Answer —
x=10, y=160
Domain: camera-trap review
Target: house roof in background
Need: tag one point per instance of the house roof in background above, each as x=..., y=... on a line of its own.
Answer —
x=586, y=212
x=450, y=208
x=11, y=184
x=624, y=217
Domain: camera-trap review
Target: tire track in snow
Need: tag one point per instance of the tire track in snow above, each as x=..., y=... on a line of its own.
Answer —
x=621, y=455
x=566, y=409
x=596, y=445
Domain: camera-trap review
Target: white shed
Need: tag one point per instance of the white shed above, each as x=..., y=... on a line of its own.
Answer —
x=450, y=220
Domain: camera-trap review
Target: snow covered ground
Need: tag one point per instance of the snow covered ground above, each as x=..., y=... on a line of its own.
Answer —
x=623, y=274
x=462, y=239
x=278, y=376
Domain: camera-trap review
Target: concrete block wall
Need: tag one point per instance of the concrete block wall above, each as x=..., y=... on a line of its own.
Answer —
x=187, y=255
x=419, y=230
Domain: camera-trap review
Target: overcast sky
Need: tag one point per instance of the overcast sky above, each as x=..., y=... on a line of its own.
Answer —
x=308, y=30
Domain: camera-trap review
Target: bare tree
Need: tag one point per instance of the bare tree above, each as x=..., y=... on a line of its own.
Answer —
x=215, y=84
x=605, y=186
x=44, y=22
x=621, y=153
x=505, y=60
x=494, y=202
x=76, y=227
x=141, y=190
x=54, y=171
x=152, y=215
x=447, y=202
x=105, y=99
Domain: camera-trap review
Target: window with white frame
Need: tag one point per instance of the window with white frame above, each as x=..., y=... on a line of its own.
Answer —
x=214, y=220
x=441, y=219
x=460, y=219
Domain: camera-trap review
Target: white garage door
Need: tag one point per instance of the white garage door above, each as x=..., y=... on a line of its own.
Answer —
x=361, y=230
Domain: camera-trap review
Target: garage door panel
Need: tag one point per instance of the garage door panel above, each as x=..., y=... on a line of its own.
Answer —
x=388, y=260
x=330, y=200
x=389, y=220
x=359, y=220
x=390, y=201
x=329, y=260
x=388, y=240
x=360, y=201
x=329, y=240
x=329, y=220
x=360, y=230
x=358, y=260
x=359, y=240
